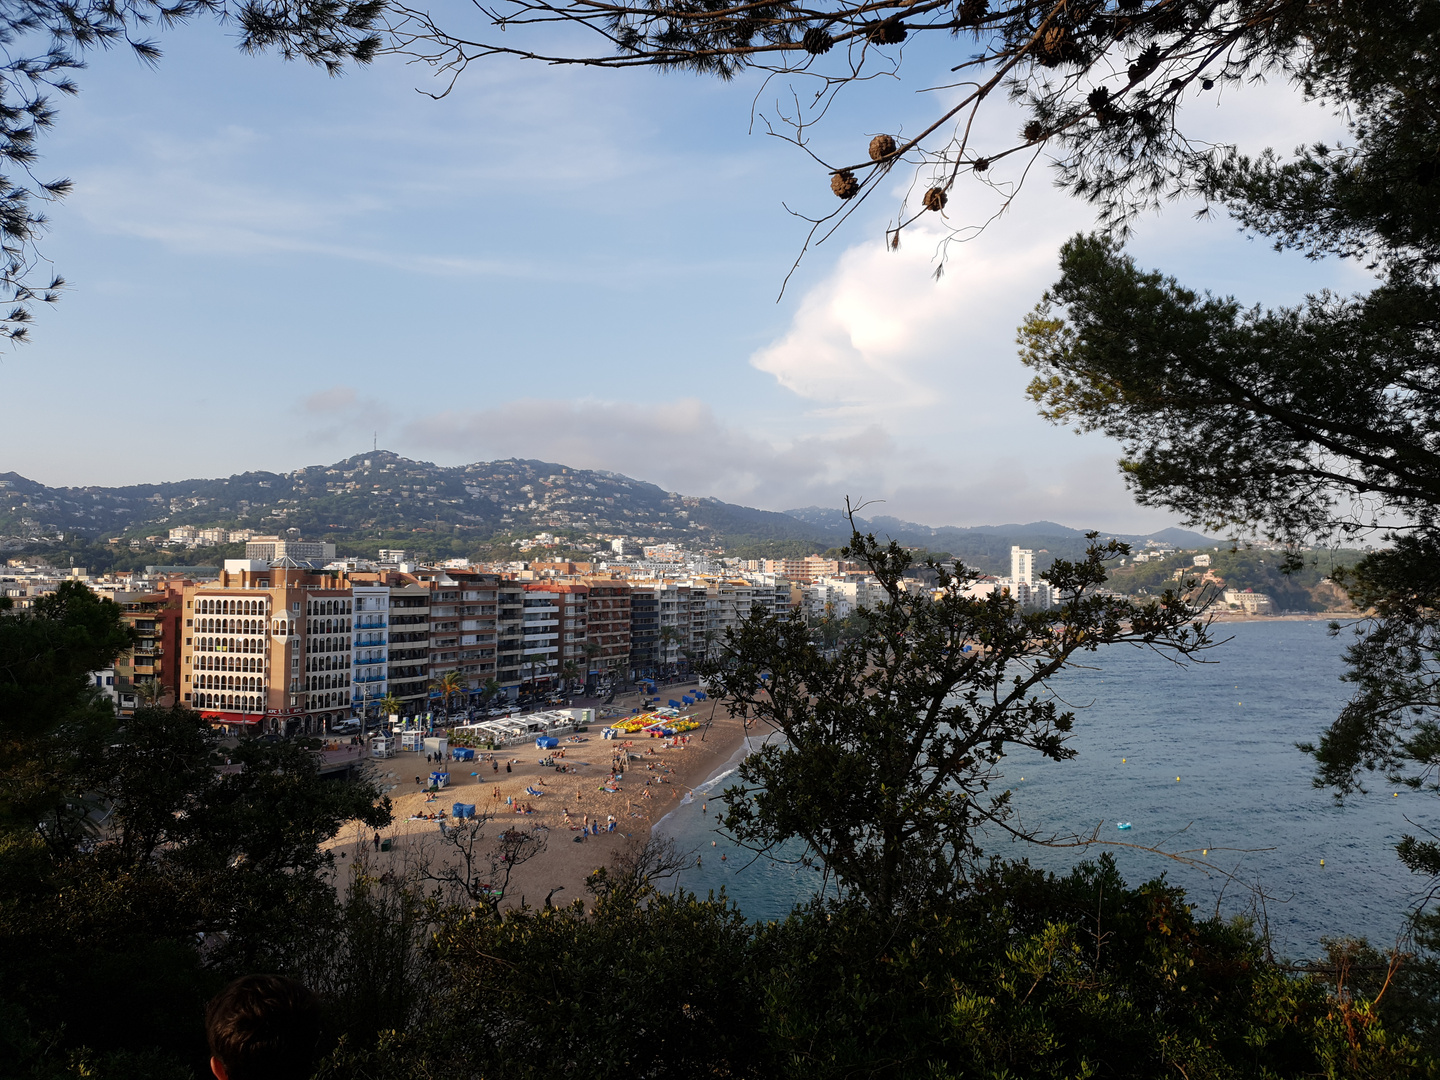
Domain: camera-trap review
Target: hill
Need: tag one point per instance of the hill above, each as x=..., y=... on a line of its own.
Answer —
x=381, y=499
x=987, y=547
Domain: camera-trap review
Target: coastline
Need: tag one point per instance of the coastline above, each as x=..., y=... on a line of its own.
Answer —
x=668, y=773
x=1294, y=616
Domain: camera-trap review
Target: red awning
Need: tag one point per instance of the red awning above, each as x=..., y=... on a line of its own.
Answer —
x=229, y=717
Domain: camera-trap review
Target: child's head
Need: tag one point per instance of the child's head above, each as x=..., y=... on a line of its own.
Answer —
x=263, y=1027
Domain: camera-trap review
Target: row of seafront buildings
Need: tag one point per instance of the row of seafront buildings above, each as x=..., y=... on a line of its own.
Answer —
x=279, y=645
x=295, y=649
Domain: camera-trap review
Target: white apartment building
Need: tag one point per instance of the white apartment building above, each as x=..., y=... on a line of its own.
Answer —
x=371, y=648
x=1022, y=565
x=540, y=644
x=272, y=549
x=699, y=626
x=825, y=600
x=866, y=592
x=1252, y=603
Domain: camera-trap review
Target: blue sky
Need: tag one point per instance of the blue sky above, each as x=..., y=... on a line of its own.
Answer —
x=267, y=265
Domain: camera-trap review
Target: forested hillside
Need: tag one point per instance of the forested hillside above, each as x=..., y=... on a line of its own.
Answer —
x=475, y=511
x=1307, y=588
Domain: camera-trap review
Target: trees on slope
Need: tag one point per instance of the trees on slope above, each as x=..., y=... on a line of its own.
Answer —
x=1320, y=420
x=889, y=762
x=140, y=860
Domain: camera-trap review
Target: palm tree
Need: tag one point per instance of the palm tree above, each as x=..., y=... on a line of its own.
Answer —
x=490, y=690
x=571, y=672
x=149, y=692
x=668, y=636
x=390, y=705
x=449, y=686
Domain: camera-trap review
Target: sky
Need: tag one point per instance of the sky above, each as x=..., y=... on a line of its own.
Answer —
x=270, y=268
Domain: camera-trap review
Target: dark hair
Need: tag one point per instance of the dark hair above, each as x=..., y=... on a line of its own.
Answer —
x=264, y=1027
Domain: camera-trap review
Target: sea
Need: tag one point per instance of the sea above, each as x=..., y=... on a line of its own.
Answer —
x=1199, y=758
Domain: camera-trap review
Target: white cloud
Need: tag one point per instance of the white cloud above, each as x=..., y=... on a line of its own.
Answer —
x=880, y=335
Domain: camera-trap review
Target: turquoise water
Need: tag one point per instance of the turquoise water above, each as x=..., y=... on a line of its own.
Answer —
x=1228, y=730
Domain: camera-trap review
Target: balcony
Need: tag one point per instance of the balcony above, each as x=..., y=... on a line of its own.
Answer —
x=369, y=623
x=373, y=677
x=375, y=660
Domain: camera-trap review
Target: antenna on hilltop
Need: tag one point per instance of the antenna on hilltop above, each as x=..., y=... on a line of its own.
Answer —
x=375, y=442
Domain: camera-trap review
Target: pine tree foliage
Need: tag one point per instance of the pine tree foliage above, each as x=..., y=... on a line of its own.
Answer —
x=1308, y=422
x=1100, y=83
x=883, y=757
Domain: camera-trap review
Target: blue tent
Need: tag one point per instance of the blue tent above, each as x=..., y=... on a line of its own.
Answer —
x=674, y=704
x=687, y=699
x=463, y=753
x=547, y=742
x=462, y=810
x=439, y=779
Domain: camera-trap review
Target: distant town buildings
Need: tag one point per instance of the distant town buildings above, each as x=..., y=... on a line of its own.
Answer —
x=291, y=639
x=272, y=548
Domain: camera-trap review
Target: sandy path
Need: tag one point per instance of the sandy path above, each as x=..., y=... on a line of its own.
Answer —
x=564, y=864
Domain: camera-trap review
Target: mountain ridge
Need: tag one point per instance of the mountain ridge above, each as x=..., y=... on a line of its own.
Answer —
x=381, y=498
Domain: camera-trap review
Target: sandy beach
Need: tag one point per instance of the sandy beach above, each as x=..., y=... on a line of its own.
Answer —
x=658, y=775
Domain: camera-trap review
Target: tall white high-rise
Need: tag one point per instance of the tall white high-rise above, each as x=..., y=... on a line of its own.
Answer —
x=1022, y=565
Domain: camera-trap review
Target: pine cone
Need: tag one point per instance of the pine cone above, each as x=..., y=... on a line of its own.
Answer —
x=935, y=199
x=1034, y=131
x=1053, y=46
x=1144, y=64
x=972, y=11
x=844, y=184
x=881, y=147
x=889, y=32
x=817, y=42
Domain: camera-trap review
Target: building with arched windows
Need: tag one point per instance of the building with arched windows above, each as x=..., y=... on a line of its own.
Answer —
x=268, y=648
